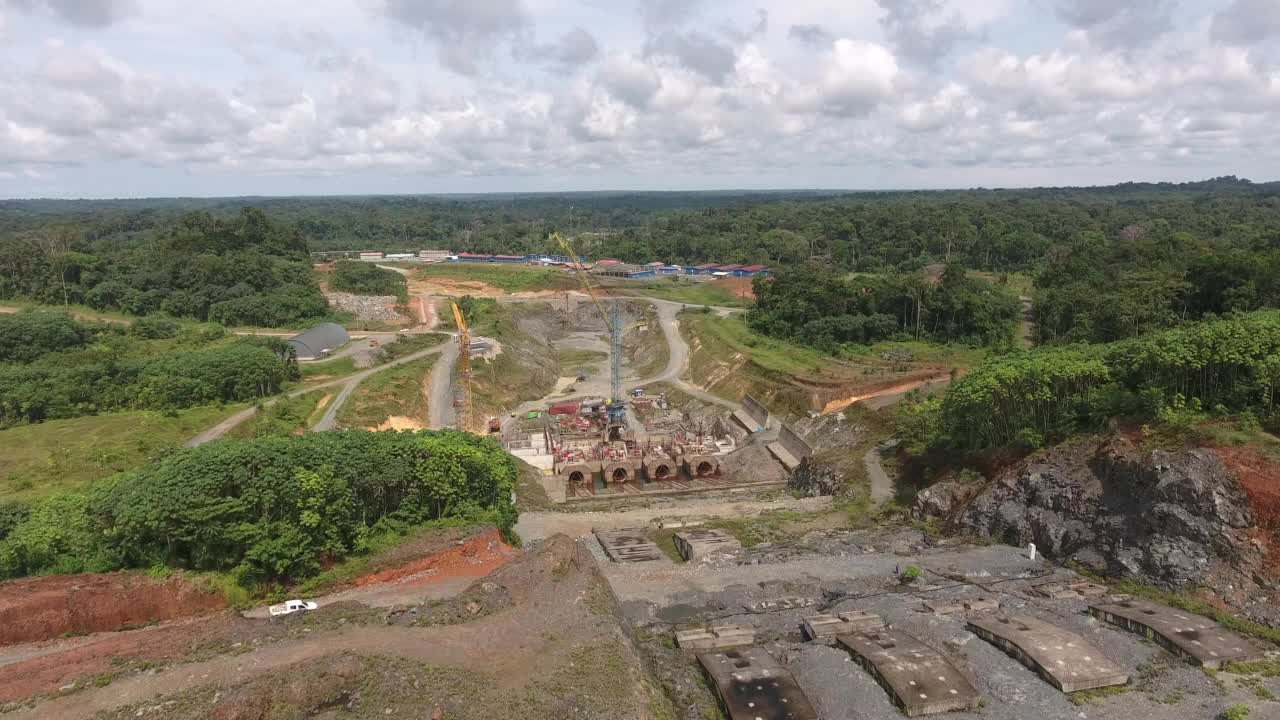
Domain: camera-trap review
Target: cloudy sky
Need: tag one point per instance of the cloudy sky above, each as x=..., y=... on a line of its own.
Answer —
x=117, y=98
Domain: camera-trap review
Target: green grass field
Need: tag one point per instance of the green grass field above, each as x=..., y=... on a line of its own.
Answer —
x=511, y=278
x=288, y=416
x=39, y=460
x=394, y=392
x=725, y=337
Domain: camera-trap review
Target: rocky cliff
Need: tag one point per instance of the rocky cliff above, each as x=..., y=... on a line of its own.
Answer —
x=1177, y=519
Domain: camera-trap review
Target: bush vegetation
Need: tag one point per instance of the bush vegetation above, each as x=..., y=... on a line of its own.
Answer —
x=1228, y=365
x=364, y=278
x=85, y=369
x=266, y=509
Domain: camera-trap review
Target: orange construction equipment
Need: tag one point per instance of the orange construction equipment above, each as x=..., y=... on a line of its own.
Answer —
x=464, y=356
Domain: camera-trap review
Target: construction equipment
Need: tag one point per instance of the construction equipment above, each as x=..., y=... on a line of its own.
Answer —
x=464, y=356
x=617, y=407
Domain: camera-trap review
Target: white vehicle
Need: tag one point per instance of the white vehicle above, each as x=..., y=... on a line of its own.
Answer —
x=289, y=607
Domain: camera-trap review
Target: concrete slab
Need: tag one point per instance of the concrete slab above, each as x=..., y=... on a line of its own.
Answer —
x=754, y=686
x=628, y=545
x=943, y=607
x=696, y=544
x=1193, y=637
x=719, y=636
x=1064, y=659
x=981, y=604
x=918, y=678
x=788, y=460
x=825, y=628
x=747, y=421
x=1069, y=590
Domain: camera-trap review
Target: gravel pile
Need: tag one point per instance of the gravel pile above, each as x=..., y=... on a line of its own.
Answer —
x=366, y=307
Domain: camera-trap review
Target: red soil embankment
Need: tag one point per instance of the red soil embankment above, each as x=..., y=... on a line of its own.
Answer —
x=1259, y=476
x=475, y=557
x=50, y=607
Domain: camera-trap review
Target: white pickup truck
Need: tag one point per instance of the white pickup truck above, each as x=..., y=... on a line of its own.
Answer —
x=289, y=607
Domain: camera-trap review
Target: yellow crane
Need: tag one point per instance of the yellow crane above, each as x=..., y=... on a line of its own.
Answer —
x=464, y=355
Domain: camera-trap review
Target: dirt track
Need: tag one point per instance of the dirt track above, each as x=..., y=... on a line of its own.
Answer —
x=550, y=622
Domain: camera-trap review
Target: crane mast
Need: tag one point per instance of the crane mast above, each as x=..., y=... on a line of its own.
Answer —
x=464, y=356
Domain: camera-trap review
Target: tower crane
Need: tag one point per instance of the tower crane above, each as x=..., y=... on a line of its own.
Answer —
x=464, y=355
x=617, y=407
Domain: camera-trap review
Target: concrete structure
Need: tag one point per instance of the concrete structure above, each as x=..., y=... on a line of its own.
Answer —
x=753, y=415
x=698, y=543
x=789, y=449
x=628, y=545
x=699, y=464
x=918, y=678
x=1193, y=637
x=659, y=466
x=1065, y=660
x=624, y=271
x=942, y=606
x=714, y=638
x=825, y=628
x=319, y=341
x=754, y=686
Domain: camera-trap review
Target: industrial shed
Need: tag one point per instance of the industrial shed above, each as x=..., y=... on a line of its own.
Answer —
x=319, y=341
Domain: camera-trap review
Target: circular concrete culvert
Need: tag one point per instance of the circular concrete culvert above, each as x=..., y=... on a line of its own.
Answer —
x=576, y=477
x=620, y=475
x=661, y=472
x=705, y=468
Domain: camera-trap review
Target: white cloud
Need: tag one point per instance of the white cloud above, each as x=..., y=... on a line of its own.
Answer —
x=1247, y=22
x=536, y=88
x=856, y=77
x=85, y=13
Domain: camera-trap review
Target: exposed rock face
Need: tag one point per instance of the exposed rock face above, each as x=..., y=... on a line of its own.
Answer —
x=1174, y=518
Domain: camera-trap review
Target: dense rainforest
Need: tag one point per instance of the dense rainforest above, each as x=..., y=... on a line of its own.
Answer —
x=263, y=510
x=243, y=269
x=1107, y=263
x=812, y=305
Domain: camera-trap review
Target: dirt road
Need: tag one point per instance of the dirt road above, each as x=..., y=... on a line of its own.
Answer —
x=440, y=401
x=348, y=385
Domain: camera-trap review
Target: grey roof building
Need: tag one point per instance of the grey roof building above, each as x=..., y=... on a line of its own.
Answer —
x=326, y=336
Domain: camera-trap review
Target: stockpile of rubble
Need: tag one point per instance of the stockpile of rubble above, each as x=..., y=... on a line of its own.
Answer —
x=366, y=307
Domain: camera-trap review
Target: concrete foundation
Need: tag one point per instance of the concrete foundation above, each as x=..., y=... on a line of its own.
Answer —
x=825, y=628
x=700, y=465
x=754, y=686
x=1065, y=660
x=628, y=545
x=917, y=677
x=1193, y=637
x=698, y=543
x=717, y=637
